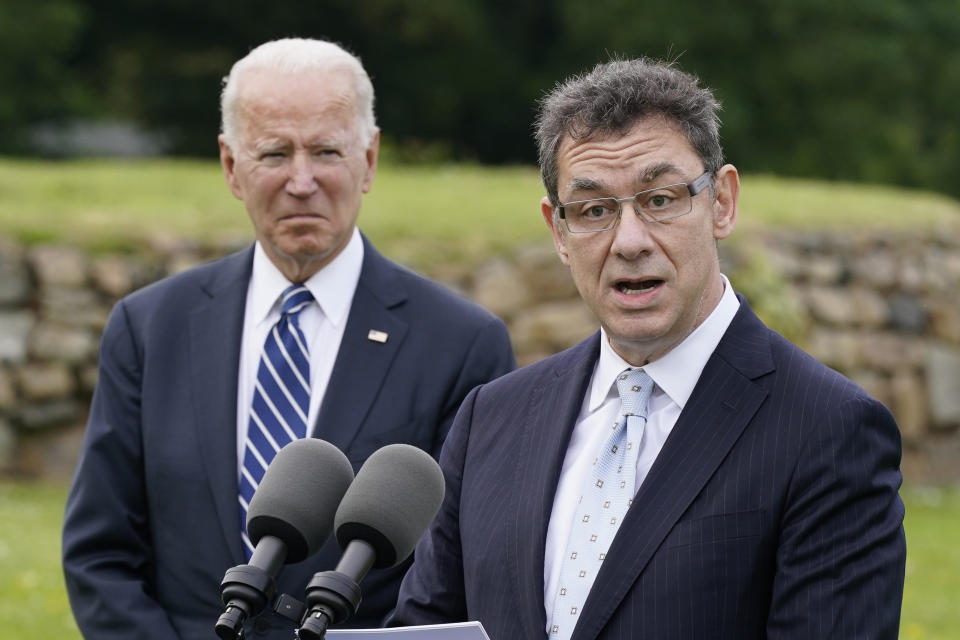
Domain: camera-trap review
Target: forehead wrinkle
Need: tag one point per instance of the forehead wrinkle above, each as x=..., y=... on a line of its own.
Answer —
x=282, y=135
x=615, y=164
x=266, y=142
x=327, y=141
x=644, y=177
x=595, y=152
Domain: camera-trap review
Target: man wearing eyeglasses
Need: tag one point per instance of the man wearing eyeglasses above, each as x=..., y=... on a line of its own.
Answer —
x=685, y=472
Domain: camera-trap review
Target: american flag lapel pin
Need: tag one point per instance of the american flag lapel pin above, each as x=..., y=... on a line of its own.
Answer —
x=377, y=336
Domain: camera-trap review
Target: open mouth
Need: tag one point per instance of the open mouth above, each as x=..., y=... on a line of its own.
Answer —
x=637, y=287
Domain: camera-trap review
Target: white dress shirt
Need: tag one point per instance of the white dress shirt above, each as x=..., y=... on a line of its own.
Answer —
x=675, y=376
x=322, y=324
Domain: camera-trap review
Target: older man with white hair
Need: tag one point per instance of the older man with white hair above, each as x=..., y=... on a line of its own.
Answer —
x=193, y=400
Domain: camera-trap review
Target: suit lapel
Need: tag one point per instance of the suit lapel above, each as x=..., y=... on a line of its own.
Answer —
x=216, y=327
x=547, y=427
x=722, y=404
x=362, y=363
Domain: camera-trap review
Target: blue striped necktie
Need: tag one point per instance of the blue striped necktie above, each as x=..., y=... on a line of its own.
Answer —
x=281, y=398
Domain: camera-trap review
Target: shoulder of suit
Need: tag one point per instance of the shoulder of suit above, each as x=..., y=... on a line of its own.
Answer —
x=423, y=291
x=198, y=281
x=805, y=370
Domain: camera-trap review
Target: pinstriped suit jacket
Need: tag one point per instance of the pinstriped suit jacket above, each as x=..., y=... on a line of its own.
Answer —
x=771, y=512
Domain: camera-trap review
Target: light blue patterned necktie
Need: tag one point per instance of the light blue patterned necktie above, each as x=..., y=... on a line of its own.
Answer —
x=603, y=503
x=281, y=398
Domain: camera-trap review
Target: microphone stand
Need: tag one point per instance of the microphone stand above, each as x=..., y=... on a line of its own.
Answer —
x=333, y=596
x=247, y=588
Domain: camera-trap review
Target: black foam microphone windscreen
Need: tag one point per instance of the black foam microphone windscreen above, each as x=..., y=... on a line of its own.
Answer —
x=392, y=501
x=298, y=496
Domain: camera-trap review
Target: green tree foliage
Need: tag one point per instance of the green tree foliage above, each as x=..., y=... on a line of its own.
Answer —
x=853, y=90
x=857, y=90
x=37, y=41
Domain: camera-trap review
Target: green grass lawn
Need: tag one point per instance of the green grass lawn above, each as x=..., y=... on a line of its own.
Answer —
x=33, y=603
x=932, y=593
x=413, y=212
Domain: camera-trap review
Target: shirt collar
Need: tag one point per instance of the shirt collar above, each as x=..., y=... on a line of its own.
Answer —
x=332, y=287
x=677, y=372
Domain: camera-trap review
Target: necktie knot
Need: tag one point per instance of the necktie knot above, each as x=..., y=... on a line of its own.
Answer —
x=635, y=387
x=294, y=299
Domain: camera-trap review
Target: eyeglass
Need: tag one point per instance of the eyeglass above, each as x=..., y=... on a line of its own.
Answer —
x=653, y=205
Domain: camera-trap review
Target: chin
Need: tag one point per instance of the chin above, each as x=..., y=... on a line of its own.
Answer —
x=639, y=323
x=306, y=245
x=635, y=331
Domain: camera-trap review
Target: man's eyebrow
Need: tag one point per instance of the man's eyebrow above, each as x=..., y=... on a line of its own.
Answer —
x=269, y=144
x=333, y=142
x=646, y=176
x=584, y=184
x=654, y=171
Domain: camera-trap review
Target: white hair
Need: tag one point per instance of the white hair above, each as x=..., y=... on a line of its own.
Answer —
x=291, y=55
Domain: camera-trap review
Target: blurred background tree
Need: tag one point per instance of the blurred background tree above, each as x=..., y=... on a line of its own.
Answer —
x=862, y=90
x=38, y=42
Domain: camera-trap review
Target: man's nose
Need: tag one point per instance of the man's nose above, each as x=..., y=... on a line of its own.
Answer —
x=632, y=235
x=302, y=179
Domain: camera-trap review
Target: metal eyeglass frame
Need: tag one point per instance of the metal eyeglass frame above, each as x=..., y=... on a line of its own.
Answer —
x=693, y=188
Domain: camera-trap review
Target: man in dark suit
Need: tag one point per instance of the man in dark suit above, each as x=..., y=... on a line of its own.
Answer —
x=154, y=516
x=755, y=493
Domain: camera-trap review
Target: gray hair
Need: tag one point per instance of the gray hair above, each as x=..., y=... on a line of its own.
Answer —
x=291, y=55
x=612, y=97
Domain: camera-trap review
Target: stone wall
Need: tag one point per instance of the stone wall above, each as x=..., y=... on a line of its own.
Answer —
x=880, y=307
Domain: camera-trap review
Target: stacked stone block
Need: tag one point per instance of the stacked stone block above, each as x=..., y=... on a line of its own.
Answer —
x=881, y=307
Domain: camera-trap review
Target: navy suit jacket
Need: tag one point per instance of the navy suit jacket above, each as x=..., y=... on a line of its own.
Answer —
x=771, y=512
x=152, y=520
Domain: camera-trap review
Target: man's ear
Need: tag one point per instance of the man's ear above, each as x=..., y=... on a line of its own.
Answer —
x=229, y=164
x=549, y=215
x=725, y=206
x=371, y=154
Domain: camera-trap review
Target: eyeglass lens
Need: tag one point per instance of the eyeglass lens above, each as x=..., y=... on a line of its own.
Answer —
x=654, y=205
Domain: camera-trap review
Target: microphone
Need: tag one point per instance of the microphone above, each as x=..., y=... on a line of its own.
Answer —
x=392, y=501
x=289, y=518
